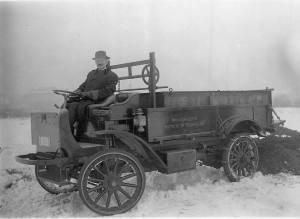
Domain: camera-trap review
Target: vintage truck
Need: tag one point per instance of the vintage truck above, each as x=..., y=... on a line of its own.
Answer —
x=131, y=132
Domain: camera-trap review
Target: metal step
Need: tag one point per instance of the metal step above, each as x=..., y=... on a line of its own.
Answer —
x=89, y=145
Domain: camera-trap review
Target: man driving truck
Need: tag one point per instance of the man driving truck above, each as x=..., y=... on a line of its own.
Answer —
x=99, y=84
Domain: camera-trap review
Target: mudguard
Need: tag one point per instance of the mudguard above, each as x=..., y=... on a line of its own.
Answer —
x=135, y=143
x=238, y=124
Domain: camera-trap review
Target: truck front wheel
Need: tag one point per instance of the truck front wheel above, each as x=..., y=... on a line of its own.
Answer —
x=240, y=157
x=111, y=182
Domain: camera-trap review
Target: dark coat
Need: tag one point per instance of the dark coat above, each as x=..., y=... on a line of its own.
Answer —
x=99, y=84
x=102, y=82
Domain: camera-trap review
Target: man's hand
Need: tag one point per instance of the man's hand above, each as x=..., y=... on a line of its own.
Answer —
x=77, y=91
x=91, y=94
x=85, y=94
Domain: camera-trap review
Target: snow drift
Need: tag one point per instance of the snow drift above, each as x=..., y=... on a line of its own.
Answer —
x=204, y=191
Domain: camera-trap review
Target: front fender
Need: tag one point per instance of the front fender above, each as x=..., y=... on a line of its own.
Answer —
x=135, y=143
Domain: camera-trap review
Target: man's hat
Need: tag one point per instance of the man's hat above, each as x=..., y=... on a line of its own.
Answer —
x=100, y=54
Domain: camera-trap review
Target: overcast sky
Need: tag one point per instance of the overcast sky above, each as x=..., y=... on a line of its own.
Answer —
x=199, y=45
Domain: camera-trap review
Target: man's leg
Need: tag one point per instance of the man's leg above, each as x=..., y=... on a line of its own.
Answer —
x=82, y=109
x=72, y=108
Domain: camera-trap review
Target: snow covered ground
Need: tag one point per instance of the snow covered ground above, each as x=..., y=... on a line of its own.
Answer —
x=201, y=192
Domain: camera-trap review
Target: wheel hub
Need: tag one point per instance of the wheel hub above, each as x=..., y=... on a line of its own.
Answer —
x=243, y=159
x=112, y=182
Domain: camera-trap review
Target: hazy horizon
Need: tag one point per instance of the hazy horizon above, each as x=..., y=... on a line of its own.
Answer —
x=199, y=44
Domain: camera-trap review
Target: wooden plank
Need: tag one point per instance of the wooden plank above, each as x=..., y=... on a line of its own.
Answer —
x=144, y=88
x=90, y=145
x=126, y=65
x=175, y=123
x=152, y=82
x=130, y=77
x=129, y=71
x=185, y=136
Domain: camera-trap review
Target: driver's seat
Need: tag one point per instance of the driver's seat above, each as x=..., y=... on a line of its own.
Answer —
x=109, y=100
x=100, y=108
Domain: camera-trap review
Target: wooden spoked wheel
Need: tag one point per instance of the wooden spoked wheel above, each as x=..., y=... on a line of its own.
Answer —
x=240, y=157
x=111, y=182
x=52, y=187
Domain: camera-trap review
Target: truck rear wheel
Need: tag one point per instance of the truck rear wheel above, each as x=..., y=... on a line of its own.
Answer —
x=240, y=157
x=52, y=187
x=111, y=182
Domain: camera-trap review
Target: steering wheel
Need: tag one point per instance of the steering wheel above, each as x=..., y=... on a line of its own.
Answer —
x=146, y=73
x=65, y=92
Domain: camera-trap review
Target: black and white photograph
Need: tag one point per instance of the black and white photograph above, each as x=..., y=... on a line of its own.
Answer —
x=149, y=108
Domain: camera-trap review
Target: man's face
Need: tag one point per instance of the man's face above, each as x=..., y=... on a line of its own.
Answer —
x=101, y=63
